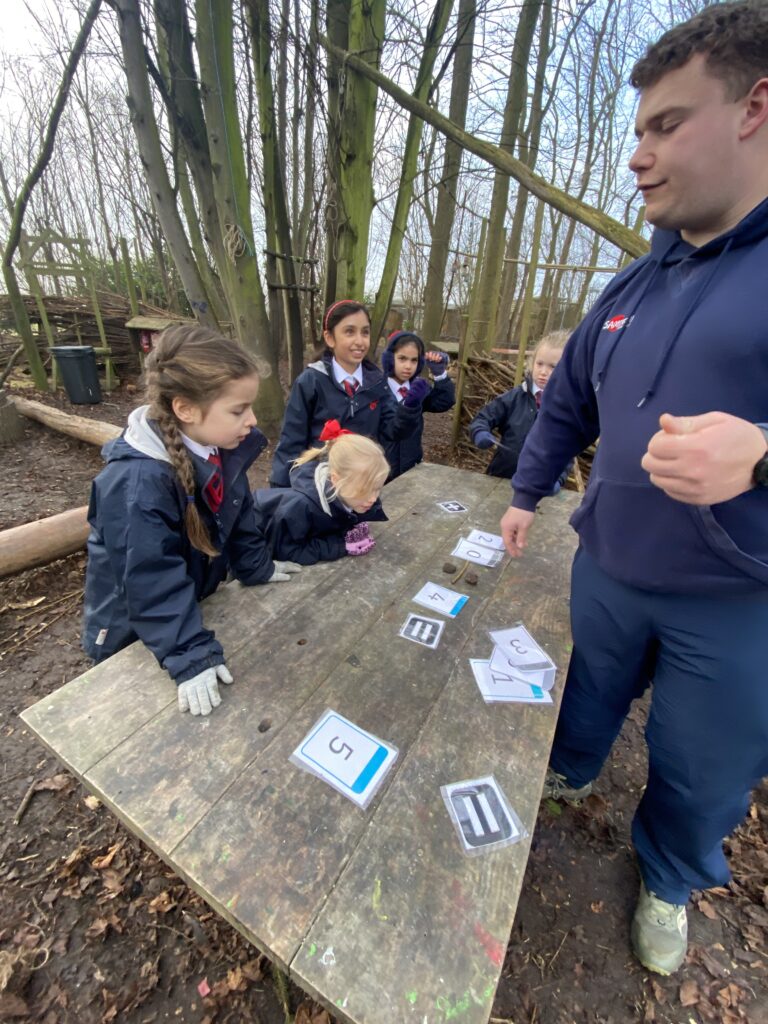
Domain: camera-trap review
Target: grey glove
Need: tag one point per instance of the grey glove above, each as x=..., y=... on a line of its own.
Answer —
x=200, y=694
x=283, y=572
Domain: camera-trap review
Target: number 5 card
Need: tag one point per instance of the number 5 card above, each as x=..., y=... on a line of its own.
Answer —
x=349, y=759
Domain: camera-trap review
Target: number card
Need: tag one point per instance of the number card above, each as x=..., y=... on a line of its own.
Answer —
x=422, y=630
x=441, y=599
x=349, y=759
x=488, y=540
x=481, y=815
x=523, y=654
x=477, y=553
x=452, y=506
x=506, y=687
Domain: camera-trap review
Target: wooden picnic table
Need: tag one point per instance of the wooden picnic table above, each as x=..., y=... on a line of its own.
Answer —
x=378, y=913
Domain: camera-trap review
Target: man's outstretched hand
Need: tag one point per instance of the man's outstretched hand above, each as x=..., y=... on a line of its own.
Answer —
x=514, y=529
x=703, y=460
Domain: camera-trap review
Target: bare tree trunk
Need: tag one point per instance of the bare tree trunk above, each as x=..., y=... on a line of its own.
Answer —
x=435, y=32
x=528, y=152
x=148, y=139
x=275, y=192
x=230, y=189
x=513, y=118
x=23, y=325
x=352, y=117
x=303, y=224
x=446, y=188
x=608, y=227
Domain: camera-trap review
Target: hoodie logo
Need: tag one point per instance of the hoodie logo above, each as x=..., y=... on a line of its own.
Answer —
x=616, y=323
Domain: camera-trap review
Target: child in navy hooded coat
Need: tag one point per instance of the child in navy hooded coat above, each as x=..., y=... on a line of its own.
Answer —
x=514, y=413
x=403, y=361
x=171, y=513
x=334, y=493
x=341, y=385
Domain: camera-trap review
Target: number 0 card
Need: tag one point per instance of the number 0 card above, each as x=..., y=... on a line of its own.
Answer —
x=346, y=757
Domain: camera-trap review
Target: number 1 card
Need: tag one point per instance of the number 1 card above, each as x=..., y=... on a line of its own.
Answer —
x=345, y=756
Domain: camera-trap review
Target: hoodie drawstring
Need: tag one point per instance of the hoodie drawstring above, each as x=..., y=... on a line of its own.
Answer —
x=676, y=334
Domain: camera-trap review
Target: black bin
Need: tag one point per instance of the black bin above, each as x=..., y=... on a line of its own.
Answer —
x=77, y=364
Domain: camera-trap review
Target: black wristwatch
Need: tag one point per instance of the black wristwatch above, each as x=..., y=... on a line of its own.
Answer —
x=760, y=472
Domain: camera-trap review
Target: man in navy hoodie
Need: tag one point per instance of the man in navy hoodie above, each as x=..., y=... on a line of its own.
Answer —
x=670, y=369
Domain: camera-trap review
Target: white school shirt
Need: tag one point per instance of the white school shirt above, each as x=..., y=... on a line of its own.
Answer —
x=203, y=450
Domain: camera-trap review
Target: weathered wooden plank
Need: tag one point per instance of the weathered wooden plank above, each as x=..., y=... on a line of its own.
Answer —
x=82, y=721
x=165, y=769
x=269, y=851
x=414, y=930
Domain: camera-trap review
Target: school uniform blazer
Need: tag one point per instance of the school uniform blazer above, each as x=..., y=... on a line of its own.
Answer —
x=405, y=454
x=317, y=397
x=144, y=579
x=301, y=524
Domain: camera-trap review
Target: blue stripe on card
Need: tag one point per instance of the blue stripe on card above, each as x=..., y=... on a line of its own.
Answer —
x=459, y=605
x=361, y=782
x=537, y=692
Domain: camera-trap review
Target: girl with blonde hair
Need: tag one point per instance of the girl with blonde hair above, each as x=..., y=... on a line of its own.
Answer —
x=513, y=414
x=171, y=513
x=333, y=495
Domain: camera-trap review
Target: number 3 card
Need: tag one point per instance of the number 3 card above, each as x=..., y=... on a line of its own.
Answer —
x=349, y=759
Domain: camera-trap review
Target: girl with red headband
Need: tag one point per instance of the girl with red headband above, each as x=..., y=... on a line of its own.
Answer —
x=343, y=385
x=333, y=494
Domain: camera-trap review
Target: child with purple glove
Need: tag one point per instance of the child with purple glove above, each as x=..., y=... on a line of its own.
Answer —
x=403, y=361
x=333, y=494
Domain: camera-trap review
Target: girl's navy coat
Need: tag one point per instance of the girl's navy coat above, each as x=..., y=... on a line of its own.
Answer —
x=300, y=525
x=512, y=414
x=316, y=397
x=404, y=454
x=144, y=578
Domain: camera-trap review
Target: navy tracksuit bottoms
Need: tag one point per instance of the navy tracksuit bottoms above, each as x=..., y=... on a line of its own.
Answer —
x=707, y=730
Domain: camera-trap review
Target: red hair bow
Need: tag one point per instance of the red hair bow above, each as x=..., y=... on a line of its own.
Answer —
x=331, y=430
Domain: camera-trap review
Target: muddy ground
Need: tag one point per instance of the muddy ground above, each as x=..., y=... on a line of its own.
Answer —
x=94, y=928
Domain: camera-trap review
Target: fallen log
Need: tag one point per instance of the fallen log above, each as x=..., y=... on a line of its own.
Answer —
x=45, y=540
x=91, y=431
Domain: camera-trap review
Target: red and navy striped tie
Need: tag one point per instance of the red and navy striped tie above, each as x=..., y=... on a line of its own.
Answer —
x=214, y=489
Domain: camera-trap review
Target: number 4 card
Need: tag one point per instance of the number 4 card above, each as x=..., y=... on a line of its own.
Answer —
x=349, y=759
x=441, y=599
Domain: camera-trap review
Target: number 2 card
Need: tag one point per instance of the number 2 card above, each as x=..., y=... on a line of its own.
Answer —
x=345, y=756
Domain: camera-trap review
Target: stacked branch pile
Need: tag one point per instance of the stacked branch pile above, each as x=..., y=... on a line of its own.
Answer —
x=73, y=322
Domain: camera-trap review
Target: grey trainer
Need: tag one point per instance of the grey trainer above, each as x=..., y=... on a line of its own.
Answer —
x=659, y=933
x=556, y=788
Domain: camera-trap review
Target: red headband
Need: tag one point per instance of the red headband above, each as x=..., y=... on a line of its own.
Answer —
x=331, y=430
x=333, y=306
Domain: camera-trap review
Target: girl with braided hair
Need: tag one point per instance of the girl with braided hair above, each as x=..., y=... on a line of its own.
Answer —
x=171, y=514
x=333, y=494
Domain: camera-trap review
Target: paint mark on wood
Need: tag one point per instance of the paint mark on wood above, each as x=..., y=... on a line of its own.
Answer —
x=493, y=948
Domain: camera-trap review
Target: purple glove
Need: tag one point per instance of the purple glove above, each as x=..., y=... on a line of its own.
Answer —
x=417, y=392
x=358, y=540
x=437, y=362
x=484, y=439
